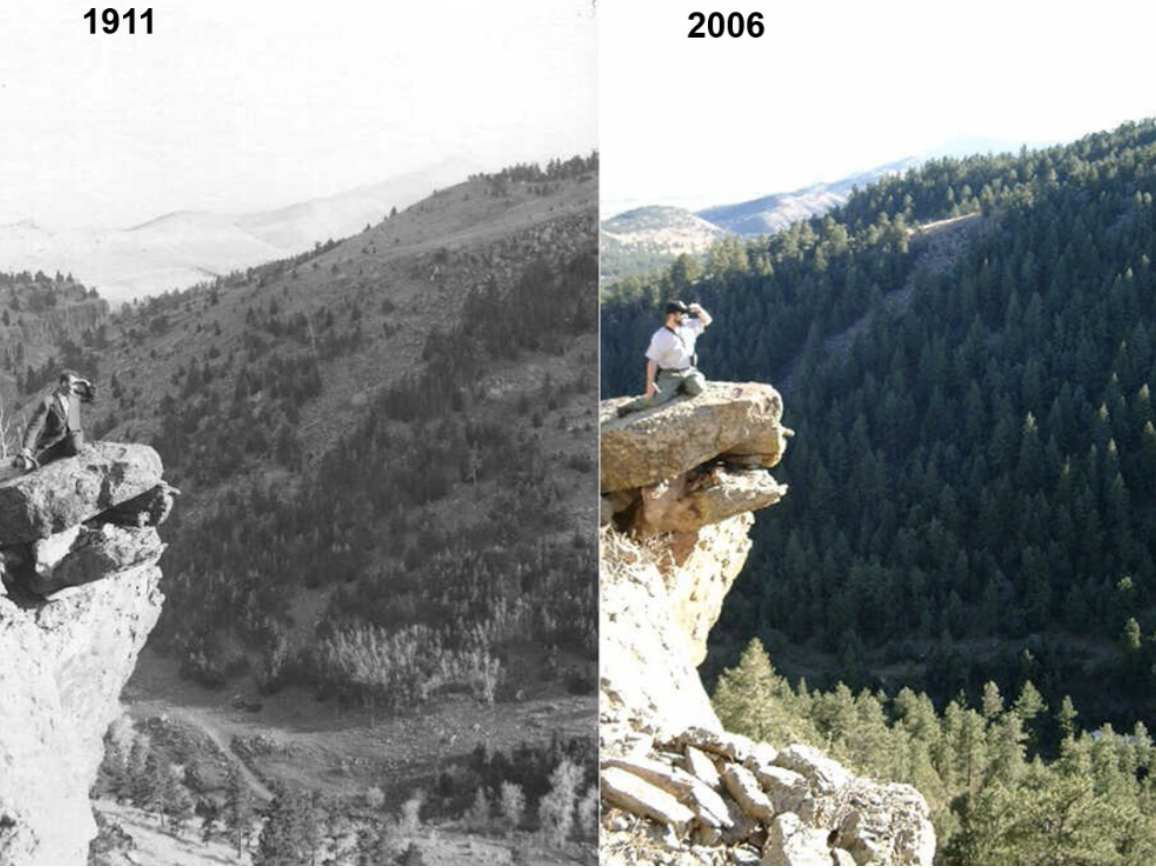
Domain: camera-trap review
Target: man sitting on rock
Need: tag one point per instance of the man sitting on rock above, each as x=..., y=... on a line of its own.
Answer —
x=670, y=358
x=54, y=430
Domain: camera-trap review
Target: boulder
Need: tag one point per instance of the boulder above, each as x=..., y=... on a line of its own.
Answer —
x=632, y=793
x=68, y=492
x=887, y=825
x=825, y=775
x=738, y=422
x=148, y=509
x=662, y=775
x=791, y=842
x=744, y=788
x=97, y=553
x=696, y=498
x=788, y=790
x=701, y=766
x=727, y=745
x=743, y=827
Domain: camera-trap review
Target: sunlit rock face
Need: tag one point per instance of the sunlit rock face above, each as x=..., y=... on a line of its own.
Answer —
x=79, y=597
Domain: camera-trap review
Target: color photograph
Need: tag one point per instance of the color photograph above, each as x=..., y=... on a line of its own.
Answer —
x=878, y=552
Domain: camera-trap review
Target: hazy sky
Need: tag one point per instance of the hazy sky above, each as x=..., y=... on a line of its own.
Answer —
x=241, y=106
x=838, y=87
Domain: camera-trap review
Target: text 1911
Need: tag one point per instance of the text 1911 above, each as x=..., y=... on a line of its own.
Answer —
x=111, y=21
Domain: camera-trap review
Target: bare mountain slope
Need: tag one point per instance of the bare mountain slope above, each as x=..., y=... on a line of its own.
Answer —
x=769, y=214
x=178, y=250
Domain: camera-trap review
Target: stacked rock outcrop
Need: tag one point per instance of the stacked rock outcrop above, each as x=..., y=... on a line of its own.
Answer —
x=691, y=463
x=79, y=595
x=679, y=485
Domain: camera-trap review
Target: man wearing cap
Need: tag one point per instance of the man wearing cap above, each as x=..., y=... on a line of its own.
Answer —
x=670, y=358
x=54, y=430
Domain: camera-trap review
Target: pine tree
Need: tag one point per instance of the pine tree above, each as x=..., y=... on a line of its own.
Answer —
x=753, y=699
x=238, y=810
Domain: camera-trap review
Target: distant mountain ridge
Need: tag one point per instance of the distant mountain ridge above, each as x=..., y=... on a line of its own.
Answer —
x=183, y=248
x=778, y=211
x=643, y=239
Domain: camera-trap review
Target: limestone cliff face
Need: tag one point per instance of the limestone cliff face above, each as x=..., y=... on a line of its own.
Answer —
x=78, y=559
x=679, y=487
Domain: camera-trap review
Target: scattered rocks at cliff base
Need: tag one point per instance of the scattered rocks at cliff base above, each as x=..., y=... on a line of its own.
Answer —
x=658, y=727
x=859, y=823
x=68, y=492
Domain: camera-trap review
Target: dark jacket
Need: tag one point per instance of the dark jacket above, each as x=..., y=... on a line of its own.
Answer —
x=50, y=426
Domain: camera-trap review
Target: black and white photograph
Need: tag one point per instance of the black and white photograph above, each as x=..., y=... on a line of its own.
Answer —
x=298, y=433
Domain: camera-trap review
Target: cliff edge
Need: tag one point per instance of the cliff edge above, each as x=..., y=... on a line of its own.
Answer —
x=679, y=488
x=79, y=595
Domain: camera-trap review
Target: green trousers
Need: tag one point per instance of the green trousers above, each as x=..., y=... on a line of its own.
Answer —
x=688, y=381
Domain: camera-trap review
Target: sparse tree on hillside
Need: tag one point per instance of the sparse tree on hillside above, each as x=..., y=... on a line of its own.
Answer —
x=238, y=811
x=556, y=810
x=513, y=804
x=284, y=838
x=7, y=433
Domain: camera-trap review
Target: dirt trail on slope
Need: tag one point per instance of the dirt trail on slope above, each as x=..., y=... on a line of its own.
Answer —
x=205, y=724
x=935, y=247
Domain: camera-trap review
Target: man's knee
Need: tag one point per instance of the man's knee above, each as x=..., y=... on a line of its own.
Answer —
x=694, y=384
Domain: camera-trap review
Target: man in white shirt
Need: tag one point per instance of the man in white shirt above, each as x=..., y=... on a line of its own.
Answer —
x=670, y=358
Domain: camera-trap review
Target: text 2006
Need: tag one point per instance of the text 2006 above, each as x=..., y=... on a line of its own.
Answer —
x=717, y=24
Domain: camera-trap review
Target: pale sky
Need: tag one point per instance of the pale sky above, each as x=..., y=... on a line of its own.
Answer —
x=243, y=106
x=834, y=88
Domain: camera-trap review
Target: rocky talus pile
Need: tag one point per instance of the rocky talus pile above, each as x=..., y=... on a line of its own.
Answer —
x=679, y=486
x=707, y=797
x=79, y=595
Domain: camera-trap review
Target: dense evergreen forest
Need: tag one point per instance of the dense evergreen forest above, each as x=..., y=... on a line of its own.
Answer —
x=966, y=354
x=1009, y=781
